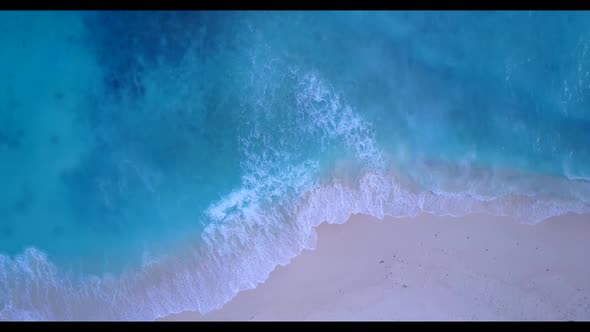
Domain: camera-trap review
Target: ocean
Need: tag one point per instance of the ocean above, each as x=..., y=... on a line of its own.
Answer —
x=157, y=162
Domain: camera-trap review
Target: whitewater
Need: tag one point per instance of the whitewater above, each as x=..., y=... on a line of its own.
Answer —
x=185, y=168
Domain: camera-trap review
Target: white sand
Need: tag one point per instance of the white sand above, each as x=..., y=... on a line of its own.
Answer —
x=428, y=268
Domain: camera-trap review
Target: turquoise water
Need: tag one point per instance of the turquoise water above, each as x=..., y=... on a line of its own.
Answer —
x=155, y=162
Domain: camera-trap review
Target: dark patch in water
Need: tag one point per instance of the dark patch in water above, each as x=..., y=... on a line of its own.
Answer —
x=58, y=231
x=11, y=140
x=54, y=139
x=24, y=202
x=12, y=104
x=59, y=96
x=113, y=83
x=126, y=43
x=7, y=231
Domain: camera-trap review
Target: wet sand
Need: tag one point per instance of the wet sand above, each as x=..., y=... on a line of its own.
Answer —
x=428, y=268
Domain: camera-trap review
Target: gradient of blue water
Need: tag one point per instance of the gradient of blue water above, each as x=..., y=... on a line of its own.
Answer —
x=120, y=130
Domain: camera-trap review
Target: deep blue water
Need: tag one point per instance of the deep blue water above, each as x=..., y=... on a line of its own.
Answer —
x=154, y=162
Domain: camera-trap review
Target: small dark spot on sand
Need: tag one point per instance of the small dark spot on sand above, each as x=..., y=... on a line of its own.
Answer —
x=487, y=249
x=546, y=270
x=380, y=262
x=405, y=286
x=537, y=248
x=517, y=243
x=468, y=237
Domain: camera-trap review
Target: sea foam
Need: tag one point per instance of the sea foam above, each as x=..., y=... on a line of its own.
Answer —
x=266, y=222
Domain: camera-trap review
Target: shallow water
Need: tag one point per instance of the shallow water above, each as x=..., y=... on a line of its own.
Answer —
x=154, y=162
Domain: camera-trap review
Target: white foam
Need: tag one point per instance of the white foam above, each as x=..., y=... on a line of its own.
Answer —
x=323, y=112
x=265, y=223
x=239, y=253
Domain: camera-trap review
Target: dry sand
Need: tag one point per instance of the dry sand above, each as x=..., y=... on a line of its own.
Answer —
x=428, y=268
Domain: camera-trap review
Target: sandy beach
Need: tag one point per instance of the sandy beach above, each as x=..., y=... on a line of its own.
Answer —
x=428, y=268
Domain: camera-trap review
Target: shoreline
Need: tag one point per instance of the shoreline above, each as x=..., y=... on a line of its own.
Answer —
x=476, y=267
